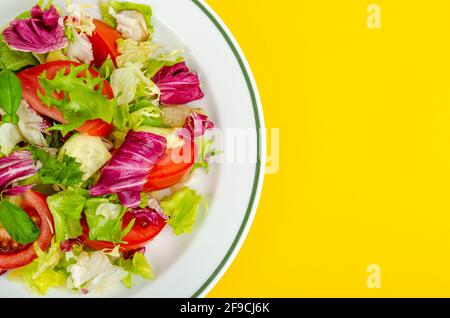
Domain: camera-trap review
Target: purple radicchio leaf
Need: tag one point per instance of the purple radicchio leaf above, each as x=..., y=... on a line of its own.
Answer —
x=155, y=205
x=177, y=85
x=42, y=33
x=17, y=166
x=67, y=245
x=145, y=217
x=127, y=171
x=18, y=190
x=195, y=126
x=130, y=199
x=130, y=254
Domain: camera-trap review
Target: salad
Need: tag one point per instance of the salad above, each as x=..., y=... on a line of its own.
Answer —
x=97, y=144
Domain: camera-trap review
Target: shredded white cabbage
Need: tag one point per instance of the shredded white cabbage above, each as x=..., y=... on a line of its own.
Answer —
x=81, y=49
x=79, y=19
x=135, y=52
x=126, y=81
x=10, y=136
x=94, y=272
x=31, y=125
x=131, y=24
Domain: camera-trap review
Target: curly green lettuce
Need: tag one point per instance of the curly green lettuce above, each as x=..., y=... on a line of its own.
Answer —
x=82, y=97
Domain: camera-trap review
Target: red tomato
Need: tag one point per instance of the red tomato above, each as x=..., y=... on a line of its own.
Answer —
x=12, y=254
x=104, y=43
x=29, y=80
x=139, y=236
x=167, y=172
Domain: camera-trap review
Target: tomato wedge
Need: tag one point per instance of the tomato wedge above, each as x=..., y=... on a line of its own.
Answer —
x=139, y=236
x=12, y=254
x=104, y=43
x=29, y=80
x=168, y=172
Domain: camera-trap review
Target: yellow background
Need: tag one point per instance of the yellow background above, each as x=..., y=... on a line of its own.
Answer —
x=364, y=118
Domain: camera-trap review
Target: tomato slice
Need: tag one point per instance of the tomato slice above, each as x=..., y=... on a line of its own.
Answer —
x=169, y=172
x=12, y=254
x=141, y=233
x=29, y=80
x=104, y=43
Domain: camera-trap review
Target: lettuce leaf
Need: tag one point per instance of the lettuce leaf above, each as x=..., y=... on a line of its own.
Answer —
x=105, y=220
x=207, y=150
x=83, y=99
x=14, y=60
x=182, y=208
x=40, y=275
x=138, y=265
x=146, y=114
x=66, y=208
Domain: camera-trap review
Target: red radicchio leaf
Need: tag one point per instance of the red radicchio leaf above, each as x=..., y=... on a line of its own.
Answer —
x=178, y=85
x=67, y=245
x=17, y=166
x=18, y=190
x=42, y=33
x=50, y=17
x=130, y=254
x=195, y=126
x=127, y=171
x=2, y=272
x=146, y=216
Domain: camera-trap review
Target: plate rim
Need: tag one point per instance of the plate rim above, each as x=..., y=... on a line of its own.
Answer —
x=258, y=181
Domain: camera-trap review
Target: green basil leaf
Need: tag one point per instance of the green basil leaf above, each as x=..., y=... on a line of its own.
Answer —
x=17, y=223
x=10, y=95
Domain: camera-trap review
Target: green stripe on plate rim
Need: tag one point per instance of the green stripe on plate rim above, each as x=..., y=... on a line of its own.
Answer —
x=258, y=163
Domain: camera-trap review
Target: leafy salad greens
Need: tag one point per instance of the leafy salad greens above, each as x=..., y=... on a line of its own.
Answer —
x=97, y=142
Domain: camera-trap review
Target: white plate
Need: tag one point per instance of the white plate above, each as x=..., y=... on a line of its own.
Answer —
x=190, y=265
